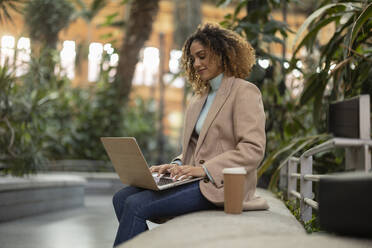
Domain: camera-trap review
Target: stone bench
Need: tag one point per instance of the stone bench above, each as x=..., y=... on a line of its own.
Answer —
x=199, y=229
x=96, y=182
x=275, y=227
x=36, y=194
x=80, y=165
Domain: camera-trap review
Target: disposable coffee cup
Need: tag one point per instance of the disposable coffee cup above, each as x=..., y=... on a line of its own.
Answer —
x=234, y=180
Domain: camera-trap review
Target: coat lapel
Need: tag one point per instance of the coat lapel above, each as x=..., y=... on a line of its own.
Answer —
x=220, y=98
x=191, y=119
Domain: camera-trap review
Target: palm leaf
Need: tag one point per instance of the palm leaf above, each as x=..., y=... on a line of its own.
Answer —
x=267, y=163
x=313, y=84
x=307, y=141
x=317, y=110
x=364, y=17
x=314, y=31
x=317, y=14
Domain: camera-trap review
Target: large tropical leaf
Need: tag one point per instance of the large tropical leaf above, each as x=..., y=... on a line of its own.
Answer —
x=318, y=104
x=312, y=34
x=365, y=16
x=305, y=142
x=285, y=148
x=317, y=14
x=313, y=86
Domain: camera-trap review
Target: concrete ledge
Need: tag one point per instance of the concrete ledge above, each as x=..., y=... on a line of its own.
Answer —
x=200, y=229
x=265, y=241
x=9, y=183
x=275, y=227
x=36, y=194
x=81, y=165
x=96, y=182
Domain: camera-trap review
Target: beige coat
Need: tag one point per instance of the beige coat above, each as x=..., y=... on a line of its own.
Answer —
x=233, y=135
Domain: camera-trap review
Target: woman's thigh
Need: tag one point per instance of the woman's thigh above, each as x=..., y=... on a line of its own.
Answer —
x=183, y=199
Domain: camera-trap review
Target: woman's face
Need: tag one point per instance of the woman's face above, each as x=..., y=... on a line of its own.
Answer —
x=205, y=64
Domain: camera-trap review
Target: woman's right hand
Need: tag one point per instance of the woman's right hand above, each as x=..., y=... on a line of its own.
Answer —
x=161, y=169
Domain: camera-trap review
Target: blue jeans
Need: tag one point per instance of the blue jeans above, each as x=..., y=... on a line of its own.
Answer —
x=133, y=206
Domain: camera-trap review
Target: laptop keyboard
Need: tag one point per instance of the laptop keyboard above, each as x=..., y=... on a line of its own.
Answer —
x=166, y=179
x=163, y=181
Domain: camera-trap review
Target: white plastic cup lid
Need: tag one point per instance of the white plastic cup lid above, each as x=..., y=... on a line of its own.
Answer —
x=236, y=170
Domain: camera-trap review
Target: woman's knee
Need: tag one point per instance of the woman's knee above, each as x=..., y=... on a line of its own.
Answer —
x=120, y=197
x=136, y=205
x=131, y=204
x=117, y=198
x=117, y=203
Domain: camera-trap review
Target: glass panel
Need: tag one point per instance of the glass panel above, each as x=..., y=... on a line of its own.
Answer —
x=94, y=61
x=7, y=50
x=68, y=56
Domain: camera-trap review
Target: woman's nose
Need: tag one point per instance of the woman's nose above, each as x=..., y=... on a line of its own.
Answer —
x=196, y=63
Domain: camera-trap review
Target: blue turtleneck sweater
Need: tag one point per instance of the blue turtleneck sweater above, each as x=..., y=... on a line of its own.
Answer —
x=215, y=85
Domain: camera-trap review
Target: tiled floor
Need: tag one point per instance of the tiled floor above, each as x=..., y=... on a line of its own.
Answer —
x=93, y=226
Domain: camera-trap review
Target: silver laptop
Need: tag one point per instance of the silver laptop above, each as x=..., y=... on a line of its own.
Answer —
x=132, y=167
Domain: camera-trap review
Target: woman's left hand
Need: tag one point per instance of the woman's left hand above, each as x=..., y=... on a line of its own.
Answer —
x=187, y=171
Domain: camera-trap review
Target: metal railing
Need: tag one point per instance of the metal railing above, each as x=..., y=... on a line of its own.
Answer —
x=289, y=174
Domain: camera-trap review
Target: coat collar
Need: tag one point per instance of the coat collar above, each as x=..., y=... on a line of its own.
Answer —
x=195, y=109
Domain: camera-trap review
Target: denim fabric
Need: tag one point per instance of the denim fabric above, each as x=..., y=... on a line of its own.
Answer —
x=133, y=206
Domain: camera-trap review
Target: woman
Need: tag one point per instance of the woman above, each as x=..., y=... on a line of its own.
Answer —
x=224, y=127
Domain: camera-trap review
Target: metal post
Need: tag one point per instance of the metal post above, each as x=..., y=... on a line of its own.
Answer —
x=283, y=177
x=360, y=158
x=306, y=188
x=292, y=181
x=367, y=159
x=357, y=158
x=364, y=117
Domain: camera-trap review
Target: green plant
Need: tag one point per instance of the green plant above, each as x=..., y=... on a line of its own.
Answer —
x=22, y=126
x=262, y=30
x=43, y=117
x=324, y=85
x=344, y=66
x=281, y=156
x=294, y=206
x=258, y=26
x=46, y=18
x=294, y=125
x=78, y=117
x=286, y=122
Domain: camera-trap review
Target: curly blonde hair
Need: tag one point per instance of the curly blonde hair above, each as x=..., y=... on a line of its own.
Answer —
x=237, y=56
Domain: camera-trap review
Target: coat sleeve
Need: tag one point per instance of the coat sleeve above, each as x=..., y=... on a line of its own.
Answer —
x=249, y=135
